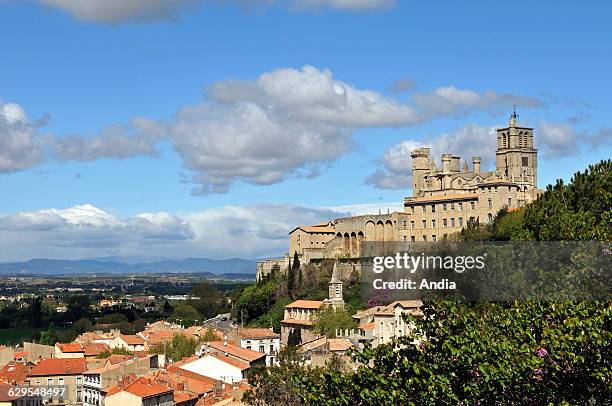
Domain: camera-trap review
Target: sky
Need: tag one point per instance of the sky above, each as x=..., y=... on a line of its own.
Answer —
x=195, y=128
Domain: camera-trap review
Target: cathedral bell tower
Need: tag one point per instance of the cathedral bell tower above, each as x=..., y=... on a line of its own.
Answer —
x=516, y=158
x=334, y=298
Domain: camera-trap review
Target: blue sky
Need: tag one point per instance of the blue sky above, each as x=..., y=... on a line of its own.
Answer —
x=71, y=69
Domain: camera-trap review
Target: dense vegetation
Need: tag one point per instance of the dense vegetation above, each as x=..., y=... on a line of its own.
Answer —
x=469, y=353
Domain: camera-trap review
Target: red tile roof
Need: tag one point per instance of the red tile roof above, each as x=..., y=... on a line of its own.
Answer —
x=141, y=387
x=132, y=339
x=231, y=349
x=256, y=333
x=20, y=354
x=15, y=372
x=94, y=349
x=70, y=347
x=4, y=393
x=306, y=304
x=59, y=366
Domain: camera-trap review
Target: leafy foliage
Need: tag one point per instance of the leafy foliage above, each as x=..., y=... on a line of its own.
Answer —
x=329, y=321
x=180, y=347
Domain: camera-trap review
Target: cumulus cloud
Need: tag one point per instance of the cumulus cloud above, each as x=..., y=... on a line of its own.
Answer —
x=19, y=148
x=285, y=123
x=449, y=100
x=222, y=232
x=396, y=163
x=120, y=11
x=125, y=11
x=117, y=141
x=563, y=139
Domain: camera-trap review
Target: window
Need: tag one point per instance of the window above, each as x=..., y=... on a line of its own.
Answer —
x=525, y=161
x=424, y=209
x=433, y=223
x=460, y=221
x=424, y=238
x=424, y=223
x=473, y=205
x=60, y=381
x=445, y=222
x=452, y=206
x=404, y=223
x=460, y=207
x=271, y=349
x=433, y=237
x=50, y=381
x=490, y=203
x=433, y=208
x=490, y=217
x=452, y=222
x=412, y=238
x=444, y=207
x=262, y=348
x=412, y=224
x=412, y=209
x=509, y=202
x=248, y=347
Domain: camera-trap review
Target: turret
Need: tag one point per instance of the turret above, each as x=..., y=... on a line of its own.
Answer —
x=420, y=168
x=476, y=163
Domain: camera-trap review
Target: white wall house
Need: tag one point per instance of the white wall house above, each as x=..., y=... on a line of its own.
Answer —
x=218, y=367
x=261, y=340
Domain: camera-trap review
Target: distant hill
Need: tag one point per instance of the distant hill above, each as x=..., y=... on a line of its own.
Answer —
x=42, y=266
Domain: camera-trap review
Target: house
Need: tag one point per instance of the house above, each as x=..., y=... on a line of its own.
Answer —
x=379, y=325
x=141, y=391
x=96, y=380
x=69, y=350
x=319, y=351
x=262, y=340
x=129, y=342
x=232, y=351
x=66, y=372
x=218, y=367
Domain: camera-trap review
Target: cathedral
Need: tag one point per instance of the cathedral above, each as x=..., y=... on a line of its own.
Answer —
x=444, y=199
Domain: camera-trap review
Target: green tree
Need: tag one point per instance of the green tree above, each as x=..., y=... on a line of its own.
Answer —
x=179, y=347
x=292, y=274
x=48, y=337
x=329, y=321
x=255, y=301
x=209, y=301
x=186, y=313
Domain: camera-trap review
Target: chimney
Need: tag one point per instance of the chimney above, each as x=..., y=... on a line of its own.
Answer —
x=446, y=163
x=476, y=163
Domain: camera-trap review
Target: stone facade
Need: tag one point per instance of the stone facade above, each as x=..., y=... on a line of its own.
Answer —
x=444, y=200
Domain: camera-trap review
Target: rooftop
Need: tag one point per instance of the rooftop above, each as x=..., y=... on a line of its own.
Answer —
x=238, y=352
x=306, y=304
x=59, y=366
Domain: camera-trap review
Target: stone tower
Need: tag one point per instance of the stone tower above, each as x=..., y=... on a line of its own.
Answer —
x=516, y=158
x=421, y=166
x=335, y=299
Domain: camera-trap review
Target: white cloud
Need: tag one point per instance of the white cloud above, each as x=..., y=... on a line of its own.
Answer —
x=87, y=231
x=120, y=11
x=117, y=142
x=125, y=11
x=558, y=139
x=285, y=123
x=469, y=141
x=449, y=100
x=19, y=148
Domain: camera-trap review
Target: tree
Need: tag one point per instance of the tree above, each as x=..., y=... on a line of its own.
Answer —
x=208, y=301
x=255, y=301
x=167, y=309
x=522, y=353
x=185, y=312
x=277, y=385
x=48, y=337
x=329, y=320
x=179, y=347
x=291, y=275
x=295, y=337
x=79, y=307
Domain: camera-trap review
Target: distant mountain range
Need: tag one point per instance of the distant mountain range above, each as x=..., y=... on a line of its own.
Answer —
x=42, y=266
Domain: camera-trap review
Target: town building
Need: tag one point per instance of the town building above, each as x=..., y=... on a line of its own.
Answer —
x=128, y=342
x=262, y=340
x=66, y=373
x=141, y=391
x=381, y=324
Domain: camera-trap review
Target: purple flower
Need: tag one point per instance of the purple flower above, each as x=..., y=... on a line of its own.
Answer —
x=541, y=352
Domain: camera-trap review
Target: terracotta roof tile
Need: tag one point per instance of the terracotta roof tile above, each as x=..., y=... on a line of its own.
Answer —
x=132, y=339
x=306, y=304
x=256, y=333
x=70, y=347
x=296, y=321
x=15, y=372
x=59, y=366
x=20, y=354
x=141, y=387
x=94, y=349
x=242, y=353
